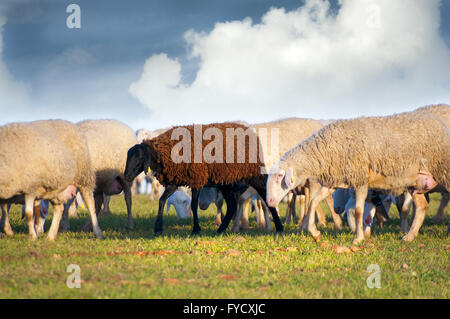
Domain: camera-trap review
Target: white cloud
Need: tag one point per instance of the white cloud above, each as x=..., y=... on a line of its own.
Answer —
x=371, y=57
x=12, y=93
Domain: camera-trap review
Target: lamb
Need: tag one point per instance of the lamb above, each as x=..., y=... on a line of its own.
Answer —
x=376, y=204
x=181, y=201
x=208, y=195
x=392, y=153
x=222, y=163
x=108, y=142
x=27, y=172
x=211, y=194
x=40, y=214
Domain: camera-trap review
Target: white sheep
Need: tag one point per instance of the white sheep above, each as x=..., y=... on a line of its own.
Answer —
x=108, y=142
x=181, y=201
x=390, y=153
x=27, y=172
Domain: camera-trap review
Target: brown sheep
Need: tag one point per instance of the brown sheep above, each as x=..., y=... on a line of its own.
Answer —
x=231, y=163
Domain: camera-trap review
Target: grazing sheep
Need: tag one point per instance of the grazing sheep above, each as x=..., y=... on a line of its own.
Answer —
x=40, y=213
x=27, y=172
x=389, y=153
x=208, y=195
x=377, y=204
x=277, y=137
x=108, y=142
x=212, y=194
x=181, y=201
x=231, y=163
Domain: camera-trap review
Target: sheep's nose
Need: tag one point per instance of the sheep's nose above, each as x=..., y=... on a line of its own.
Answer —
x=271, y=201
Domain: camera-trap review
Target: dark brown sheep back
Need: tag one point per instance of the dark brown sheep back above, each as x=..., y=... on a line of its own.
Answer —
x=197, y=175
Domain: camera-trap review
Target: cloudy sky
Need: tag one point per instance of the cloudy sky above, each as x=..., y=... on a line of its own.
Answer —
x=158, y=63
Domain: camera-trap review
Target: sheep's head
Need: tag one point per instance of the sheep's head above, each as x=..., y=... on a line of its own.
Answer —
x=181, y=201
x=206, y=197
x=138, y=160
x=279, y=183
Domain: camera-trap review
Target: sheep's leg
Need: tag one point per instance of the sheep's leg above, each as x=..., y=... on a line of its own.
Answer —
x=404, y=211
x=301, y=213
x=289, y=218
x=194, y=206
x=421, y=209
x=321, y=220
x=29, y=210
x=219, y=214
x=41, y=220
x=170, y=189
x=244, y=223
x=439, y=218
x=238, y=219
x=106, y=199
x=5, y=220
x=65, y=224
x=263, y=207
x=241, y=205
x=231, y=201
x=128, y=202
x=88, y=199
x=310, y=192
x=317, y=198
x=336, y=218
x=260, y=213
x=361, y=195
x=276, y=218
x=57, y=214
x=98, y=202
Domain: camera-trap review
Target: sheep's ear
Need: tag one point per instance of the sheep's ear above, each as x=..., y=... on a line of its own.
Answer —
x=289, y=178
x=423, y=166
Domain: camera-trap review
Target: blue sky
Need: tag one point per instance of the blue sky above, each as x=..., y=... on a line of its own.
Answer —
x=158, y=63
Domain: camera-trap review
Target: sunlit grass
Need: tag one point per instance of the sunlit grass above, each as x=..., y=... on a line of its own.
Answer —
x=252, y=264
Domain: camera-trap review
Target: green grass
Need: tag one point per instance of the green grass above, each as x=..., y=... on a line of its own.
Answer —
x=252, y=264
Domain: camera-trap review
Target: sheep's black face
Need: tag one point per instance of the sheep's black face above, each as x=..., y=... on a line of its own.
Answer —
x=137, y=162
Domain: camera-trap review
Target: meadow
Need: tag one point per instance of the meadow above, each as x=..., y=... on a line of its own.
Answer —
x=250, y=264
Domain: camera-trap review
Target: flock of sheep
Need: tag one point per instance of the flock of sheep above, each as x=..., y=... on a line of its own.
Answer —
x=359, y=166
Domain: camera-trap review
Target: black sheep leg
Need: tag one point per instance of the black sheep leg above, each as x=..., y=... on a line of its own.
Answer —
x=194, y=206
x=259, y=184
x=170, y=189
x=230, y=199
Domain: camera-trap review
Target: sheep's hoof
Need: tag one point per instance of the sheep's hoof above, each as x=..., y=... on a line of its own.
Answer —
x=105, y=212
x=437, y=220
x=356, y=241
x=9, y=232
x=87, y=226
x=221, y=229
x=195, y=232
x=408, y=238
x=316, y=235
x=130, y=226
x=100, y=236
x=321, y=225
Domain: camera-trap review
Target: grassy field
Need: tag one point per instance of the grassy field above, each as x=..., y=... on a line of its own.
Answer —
x=253, y=264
